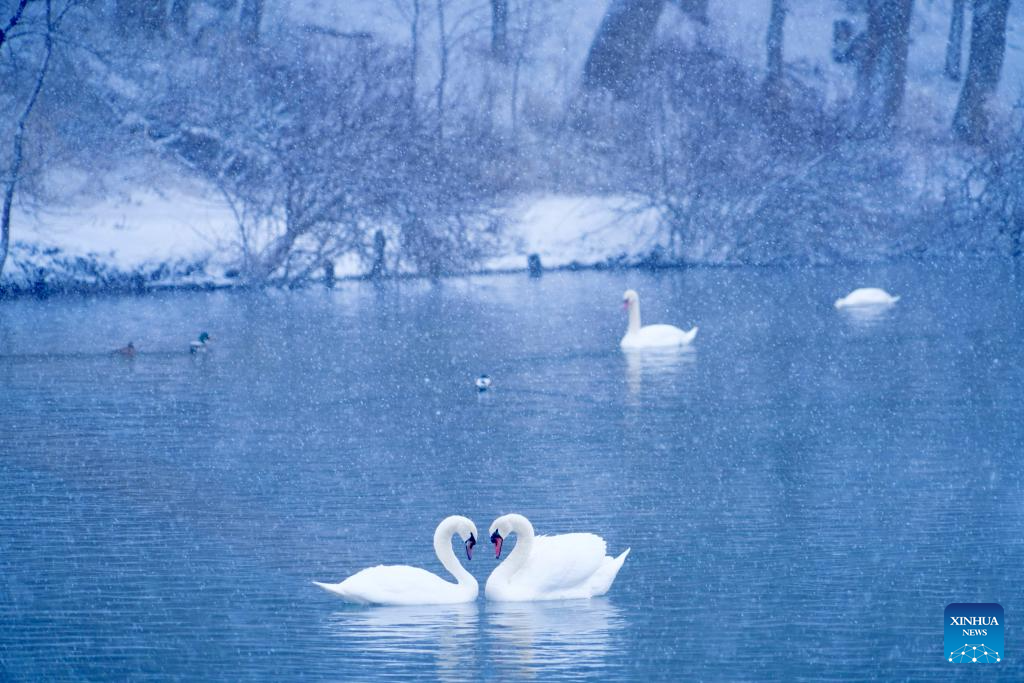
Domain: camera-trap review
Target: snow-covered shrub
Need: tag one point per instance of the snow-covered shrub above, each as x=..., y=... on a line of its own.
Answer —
x=317, y=148
x=989, y=195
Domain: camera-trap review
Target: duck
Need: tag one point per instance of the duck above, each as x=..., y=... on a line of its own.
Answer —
x=483, y=383
x=866, y=296
x=126, y=351
x=650, y=336
x=200, y=344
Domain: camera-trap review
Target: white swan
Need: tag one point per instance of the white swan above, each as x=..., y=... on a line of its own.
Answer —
x=650, y=336
x=405, y=585
x=559, y=567
x=866, y=296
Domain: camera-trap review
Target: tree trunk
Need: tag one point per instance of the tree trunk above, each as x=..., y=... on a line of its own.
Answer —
x=882, y=67
x=988, y=44
x=776, y=23
x=249, y=20
x=13, y=172
x=955, y=41
x=620, y=45
x=499, y=30
x=442, y=81
x=414, y=57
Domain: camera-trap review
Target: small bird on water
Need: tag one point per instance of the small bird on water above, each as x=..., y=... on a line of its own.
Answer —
x=126, y=351
x=483, y=383
x=200, y=344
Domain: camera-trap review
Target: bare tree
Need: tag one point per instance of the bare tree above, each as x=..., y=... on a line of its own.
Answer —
x=955, y=41
x=774, y=79
x=499, y=30
x=17, y=153
x=618, y=49
x=442, y=80
x=15, y=18
x=882, y=65
x=517, y=66
x=411, y=11
x=988, y=44
x=414, y=54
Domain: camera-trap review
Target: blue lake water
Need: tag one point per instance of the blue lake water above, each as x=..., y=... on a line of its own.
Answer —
x=803, y=493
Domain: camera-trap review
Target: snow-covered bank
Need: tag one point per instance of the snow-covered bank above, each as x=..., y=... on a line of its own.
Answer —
x=183, y=236
x=186, y=236
x=137, y=239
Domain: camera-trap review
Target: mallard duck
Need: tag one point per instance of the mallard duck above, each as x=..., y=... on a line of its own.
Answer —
x=126, y=351
x=200, y=344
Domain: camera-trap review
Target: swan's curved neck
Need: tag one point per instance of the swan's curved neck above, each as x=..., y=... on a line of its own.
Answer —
x=443, y=549
x=634, y=316
x=523, y=530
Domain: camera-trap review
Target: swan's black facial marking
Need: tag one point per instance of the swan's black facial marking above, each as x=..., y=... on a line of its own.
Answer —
x=497, y=540
x=470, y=542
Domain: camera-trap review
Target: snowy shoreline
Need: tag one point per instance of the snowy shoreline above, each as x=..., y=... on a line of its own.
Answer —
x=184, y=237
x=146, y=242
x=143, y=241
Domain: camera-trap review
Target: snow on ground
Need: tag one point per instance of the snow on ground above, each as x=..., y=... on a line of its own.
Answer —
x=582, y=230
x=129, y=231
x=147, y=232
x=132, y=231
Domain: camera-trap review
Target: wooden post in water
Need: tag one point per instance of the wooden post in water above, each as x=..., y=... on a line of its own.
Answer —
x=379, y=244
x=329, y=272
x=533, y=265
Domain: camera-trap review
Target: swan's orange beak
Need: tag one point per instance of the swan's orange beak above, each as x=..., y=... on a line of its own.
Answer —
x=497, y=540
x=470, y=542
x=625, y=304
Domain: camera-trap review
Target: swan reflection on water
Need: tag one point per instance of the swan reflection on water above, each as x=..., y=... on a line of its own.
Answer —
x=656, y=366
x=401, y=640
x=497, y=640
x=867, y=316
x=574, y=638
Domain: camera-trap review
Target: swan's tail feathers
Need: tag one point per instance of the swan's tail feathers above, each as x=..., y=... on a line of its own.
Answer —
x=603, y=578
x=332, y=588
x=895, y=299
x=340, y=590
x=690, y=336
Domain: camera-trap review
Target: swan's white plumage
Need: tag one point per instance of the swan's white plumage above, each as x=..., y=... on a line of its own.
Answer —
x=866, y=296
x=395, y=585
x=651, y=336
x=562, y=567
x=405, y=585
x=562, y=560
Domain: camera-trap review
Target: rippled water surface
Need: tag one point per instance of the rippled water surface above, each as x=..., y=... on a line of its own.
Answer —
x=803, y=492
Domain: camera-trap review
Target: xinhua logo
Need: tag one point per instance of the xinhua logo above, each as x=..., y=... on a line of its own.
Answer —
x=974, y=633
